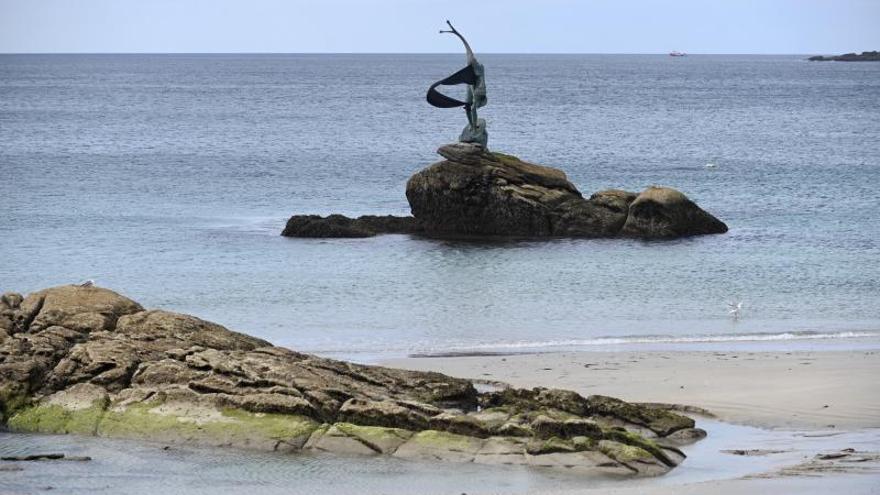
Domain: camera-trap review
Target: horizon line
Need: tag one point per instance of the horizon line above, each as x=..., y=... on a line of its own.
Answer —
x=399, y=53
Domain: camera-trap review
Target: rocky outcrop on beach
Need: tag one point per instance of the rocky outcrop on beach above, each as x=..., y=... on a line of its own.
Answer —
x=88, y=361
x=849, y=57
x=477, y=193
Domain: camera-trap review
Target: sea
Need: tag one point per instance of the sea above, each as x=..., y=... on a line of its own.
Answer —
x=169, y=178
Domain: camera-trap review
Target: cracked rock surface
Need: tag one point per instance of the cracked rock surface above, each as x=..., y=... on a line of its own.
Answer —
x=88, y=361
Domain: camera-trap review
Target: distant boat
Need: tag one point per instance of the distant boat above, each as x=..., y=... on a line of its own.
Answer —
x=677, y=54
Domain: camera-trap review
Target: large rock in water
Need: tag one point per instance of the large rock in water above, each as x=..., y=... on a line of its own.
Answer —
x=88, y=361
x=478, y=193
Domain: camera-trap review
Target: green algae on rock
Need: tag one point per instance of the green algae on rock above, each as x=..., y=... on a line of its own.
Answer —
x=88, y=361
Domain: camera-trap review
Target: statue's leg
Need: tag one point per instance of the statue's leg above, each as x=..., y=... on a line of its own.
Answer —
x=468, y=112
x=470, y=108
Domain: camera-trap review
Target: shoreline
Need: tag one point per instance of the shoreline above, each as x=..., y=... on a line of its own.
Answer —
x=809, y=403
x=774, y=458
x=766, y=389
x=780, y=342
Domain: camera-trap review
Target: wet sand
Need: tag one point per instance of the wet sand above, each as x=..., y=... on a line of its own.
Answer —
x=849, y=483
x=828, y=395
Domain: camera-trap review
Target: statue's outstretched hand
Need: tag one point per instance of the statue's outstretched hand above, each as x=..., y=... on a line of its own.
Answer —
x=451, y=28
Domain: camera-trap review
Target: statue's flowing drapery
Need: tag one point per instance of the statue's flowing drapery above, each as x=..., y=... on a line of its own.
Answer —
x=439, y=100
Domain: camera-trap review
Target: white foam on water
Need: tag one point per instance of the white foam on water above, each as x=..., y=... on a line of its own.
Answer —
x=599, y=342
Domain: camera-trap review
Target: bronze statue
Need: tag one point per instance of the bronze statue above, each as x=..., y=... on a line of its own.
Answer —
x=474, y=76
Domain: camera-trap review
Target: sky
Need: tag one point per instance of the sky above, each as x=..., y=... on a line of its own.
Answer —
x=410, y=26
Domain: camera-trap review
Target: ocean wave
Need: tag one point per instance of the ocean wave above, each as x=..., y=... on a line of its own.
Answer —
x=669, y=339
x=357, y=353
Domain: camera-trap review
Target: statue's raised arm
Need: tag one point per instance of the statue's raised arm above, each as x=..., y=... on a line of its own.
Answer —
x=471, y=59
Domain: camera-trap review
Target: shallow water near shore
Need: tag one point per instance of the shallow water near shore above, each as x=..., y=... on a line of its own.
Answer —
x=169, y=177
x=121, y=466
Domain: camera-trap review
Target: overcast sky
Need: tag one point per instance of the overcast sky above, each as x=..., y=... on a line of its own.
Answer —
x=404, y=26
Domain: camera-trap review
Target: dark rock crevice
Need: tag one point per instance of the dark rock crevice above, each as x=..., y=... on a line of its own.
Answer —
x=25, y=316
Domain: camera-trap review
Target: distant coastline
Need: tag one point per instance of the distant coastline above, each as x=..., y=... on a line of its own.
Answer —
x=849, y=57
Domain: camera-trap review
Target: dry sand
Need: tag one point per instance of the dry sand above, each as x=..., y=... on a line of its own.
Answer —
x=820, y=392
x=765, y=389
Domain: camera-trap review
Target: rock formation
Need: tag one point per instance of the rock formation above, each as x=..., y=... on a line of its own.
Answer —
x=88, y=361
x=342, y=226
x=477, y=193
x=849, y=57
x=661, y=212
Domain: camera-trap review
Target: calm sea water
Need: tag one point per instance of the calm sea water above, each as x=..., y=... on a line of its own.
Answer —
x=169, y=178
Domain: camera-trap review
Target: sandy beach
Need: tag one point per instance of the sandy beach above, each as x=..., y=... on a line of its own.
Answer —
x=829, y=395
x=834, y=389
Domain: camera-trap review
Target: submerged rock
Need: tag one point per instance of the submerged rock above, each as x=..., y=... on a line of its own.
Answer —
x=342, y=226
x=477, y=193
x=45, y=457
x=88, y=361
